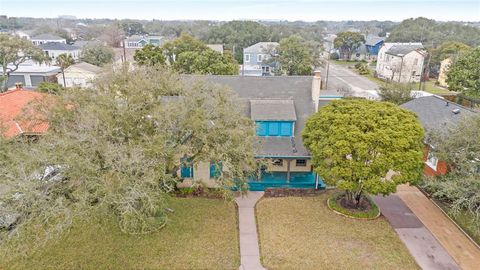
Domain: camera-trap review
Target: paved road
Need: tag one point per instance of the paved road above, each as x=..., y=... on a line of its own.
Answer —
x=341, y=77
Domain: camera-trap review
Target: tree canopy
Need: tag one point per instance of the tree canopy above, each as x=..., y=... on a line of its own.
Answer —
x=348, y=42
x=397, y=93
x=188, y=55
x=237, y=35
x=97, y=54
x=295, y=56
x=449, y=49
x=365, y=146
x=120, y=146
x=15, y=51
x=464, y=74
x=432, y=33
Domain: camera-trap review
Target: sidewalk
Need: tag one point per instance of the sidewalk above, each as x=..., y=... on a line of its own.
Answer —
x=249, y=249
x=463, y=251
x=427, y=251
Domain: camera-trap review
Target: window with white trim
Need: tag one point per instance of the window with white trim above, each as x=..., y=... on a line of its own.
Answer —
x=259, y=58
x=432, y=161
x=246, y=57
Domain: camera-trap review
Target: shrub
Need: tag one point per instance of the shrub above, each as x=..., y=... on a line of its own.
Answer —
x=49, y=88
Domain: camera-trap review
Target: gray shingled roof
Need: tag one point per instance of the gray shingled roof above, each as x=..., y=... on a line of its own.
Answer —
x=373, y=40
x=260, y=47
x=47, y=37
x=57, y=46
x=403, y=49
x=436, y=113
x=272, y=110
x=295, y=88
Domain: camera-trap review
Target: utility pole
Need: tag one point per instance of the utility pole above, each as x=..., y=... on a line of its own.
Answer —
x=328, y=68
x=427, y=73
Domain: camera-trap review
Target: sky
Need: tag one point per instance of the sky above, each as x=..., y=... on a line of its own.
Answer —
x=226, y=10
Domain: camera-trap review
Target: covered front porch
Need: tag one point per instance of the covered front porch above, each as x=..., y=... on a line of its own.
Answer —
x=285, y=180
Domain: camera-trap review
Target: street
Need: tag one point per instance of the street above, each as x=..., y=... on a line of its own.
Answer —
x=340, y=77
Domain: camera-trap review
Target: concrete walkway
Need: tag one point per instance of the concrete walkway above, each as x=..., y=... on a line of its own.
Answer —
x=463, y=251
x=249, y=249
x=427, y=251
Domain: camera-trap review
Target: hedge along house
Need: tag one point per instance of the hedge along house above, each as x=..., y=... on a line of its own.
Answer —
x=280, y=107
x=436, y=114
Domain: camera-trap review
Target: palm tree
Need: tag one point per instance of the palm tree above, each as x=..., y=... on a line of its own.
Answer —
x=64, y=61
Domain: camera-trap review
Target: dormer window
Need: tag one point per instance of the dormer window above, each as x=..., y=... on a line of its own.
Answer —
x=273, y=117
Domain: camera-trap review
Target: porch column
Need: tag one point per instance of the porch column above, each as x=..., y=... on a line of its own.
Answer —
x=288, y=170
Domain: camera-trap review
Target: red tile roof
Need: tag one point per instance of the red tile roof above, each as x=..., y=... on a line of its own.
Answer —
x=14, y=108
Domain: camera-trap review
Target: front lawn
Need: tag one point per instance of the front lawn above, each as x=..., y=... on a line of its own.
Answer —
x=302, y=233
x=200, y=234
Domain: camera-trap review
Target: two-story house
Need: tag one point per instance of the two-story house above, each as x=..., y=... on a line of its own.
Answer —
x=401, y=62
x=47, y=38
x=137, y=41
x=258, y=59
x=54, y=49
x=280, y=107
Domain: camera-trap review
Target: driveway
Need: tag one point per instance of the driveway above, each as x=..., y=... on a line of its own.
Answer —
x=423, y=246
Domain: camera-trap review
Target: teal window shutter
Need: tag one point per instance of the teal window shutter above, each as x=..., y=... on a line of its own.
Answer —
x=215, y=169
x=262, y=128
x=186, y=169
x=286, y=129
x=273, y=129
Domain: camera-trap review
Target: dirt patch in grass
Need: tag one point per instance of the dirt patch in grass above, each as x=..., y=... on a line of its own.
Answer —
x=200, y=234
x=303, y=233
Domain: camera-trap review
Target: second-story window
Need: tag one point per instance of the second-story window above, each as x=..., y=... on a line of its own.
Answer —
x=246, y=57
x=259, y=58
x=415, y=62
x=275, y=128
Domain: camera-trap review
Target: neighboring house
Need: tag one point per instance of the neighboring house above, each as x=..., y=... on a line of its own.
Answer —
x=216, y=47
x=256, y=59
x=280, y=106
x=81, y=75
x=47, y=38
x=31, y=75
x=15, y=118
x=401, y=62
x=54, y=49
x=436, y=115
x=373, y=44
x=23, y=34
x=137, y=41
x=442, y=76
x=361, y=53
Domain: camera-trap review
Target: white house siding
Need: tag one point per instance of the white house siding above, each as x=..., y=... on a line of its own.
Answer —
x=53, y=54
x=400, y=69
x=75, y=77
x=43, y=41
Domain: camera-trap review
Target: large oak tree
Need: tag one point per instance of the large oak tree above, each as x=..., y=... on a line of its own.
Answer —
x=364, y=146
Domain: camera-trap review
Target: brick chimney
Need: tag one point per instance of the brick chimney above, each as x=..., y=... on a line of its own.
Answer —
x=316, y=85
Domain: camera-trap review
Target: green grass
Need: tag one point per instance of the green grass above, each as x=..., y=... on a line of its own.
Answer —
x=432, y=88
x=302, y=233
x=372, y=213
x=200, y=234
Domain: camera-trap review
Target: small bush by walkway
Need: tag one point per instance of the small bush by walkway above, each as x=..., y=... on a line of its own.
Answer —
x=303, y=233
x=200, y=234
